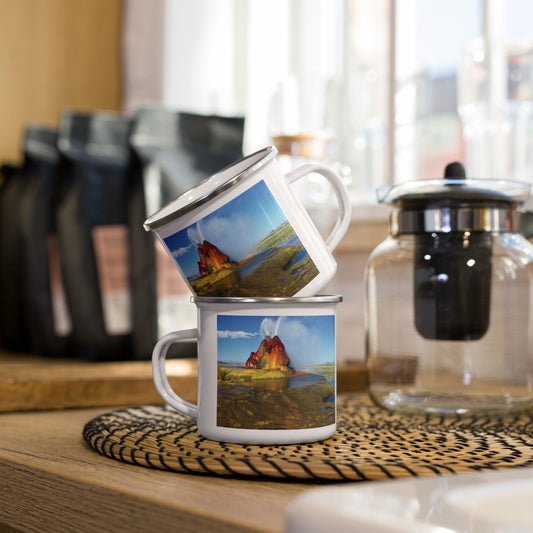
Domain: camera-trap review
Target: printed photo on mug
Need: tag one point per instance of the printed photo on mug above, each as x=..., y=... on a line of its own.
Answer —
x=241, y=250
x=266, y=369
x=275, y=372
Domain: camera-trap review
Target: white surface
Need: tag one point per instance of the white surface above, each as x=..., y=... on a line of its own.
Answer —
x=486, y=502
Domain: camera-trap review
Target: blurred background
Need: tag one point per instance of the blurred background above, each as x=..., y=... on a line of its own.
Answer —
x=396, y=86
x=383, y=91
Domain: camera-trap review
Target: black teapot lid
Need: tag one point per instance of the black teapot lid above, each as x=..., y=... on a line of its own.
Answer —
x=455, y=203
x=454, y=189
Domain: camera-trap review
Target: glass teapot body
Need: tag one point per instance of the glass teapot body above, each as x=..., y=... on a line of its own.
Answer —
x=449, y=300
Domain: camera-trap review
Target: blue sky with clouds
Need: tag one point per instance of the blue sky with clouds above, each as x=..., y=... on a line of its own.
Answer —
x=234, y=228
x=308, y=340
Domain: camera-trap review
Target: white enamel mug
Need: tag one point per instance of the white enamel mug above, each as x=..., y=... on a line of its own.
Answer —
x=243, y=232
x=266, y=369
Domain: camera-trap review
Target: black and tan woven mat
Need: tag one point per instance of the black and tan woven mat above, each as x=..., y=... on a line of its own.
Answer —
x=370, y=443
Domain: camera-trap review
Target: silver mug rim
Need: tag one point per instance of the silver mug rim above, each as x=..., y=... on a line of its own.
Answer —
x=319, y=298
x=263, y=156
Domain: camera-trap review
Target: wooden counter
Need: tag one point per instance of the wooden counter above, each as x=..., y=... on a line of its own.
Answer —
x=51, y=480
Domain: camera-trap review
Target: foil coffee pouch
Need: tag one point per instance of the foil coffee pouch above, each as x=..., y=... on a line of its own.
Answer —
x=171, y=152
x=49, y=324
x=13, y=334
x=93, y=233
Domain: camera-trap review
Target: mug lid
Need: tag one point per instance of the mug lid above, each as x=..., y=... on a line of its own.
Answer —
x=210, y=187
x=319, y=298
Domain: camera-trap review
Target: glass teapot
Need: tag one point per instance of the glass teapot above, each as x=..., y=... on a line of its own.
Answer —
x=449, y=298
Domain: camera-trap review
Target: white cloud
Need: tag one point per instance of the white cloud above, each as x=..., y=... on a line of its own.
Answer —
x=195, y=234
x=228, y=334
x=303, y=345
x=292, y=328
x=268, y=327
x=180, y=251
x=221, y=230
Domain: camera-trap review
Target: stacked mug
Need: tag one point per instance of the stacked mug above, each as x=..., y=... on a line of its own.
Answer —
x=255, y=263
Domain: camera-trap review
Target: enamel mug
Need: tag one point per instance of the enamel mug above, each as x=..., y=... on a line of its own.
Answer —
x=266, y=369
x=243, y=232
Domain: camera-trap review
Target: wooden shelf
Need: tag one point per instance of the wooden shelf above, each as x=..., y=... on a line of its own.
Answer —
x=30, y=383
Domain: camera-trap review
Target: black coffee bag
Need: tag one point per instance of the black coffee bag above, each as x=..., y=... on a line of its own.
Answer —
x=171, y=152
x=93, y=233
x=13, y=334
x=49, y=324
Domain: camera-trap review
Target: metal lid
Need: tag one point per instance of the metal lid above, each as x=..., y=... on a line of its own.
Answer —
x=268, y=300
x=455, y=204
x=210, y=188
x=446, y=219
x=454, y=191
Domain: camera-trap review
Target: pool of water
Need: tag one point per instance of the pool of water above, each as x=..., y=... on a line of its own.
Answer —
x=256, y=261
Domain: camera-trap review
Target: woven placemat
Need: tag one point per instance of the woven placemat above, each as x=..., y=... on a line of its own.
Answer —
x=370, y=443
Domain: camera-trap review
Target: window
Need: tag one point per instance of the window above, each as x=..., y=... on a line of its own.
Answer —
x=463, y=88
x=399, y=87
x=429, y=38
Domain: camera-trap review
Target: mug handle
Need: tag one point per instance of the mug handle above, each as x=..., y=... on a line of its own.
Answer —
x=159, y=374
x=343, y=200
